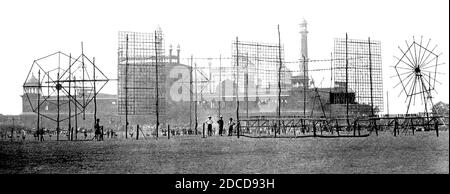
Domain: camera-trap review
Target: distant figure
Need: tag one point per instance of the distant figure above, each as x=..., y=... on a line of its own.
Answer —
x=36, y=135
x=113, y=134
x=220, y=122
x=68, y=134
x=231, y=123
x=209, y=123
x=314, y=128
x=41, y=134
x=23, y=134
x=97, y=129
x=274, y=128
x=130, y=131
x=85, y=133
x=337, y=127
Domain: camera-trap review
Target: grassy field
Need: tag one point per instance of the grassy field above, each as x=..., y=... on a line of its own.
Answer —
x=421, y=153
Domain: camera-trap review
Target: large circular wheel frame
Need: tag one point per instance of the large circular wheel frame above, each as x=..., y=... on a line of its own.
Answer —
x=417, y=70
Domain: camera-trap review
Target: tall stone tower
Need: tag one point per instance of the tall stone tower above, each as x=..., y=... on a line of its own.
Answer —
x=304, y=52
x=30, y=94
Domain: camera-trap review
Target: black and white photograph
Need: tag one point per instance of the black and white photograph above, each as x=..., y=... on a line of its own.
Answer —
x=223, y=87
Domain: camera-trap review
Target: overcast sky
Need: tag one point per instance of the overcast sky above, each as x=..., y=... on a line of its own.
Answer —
x=205, y=28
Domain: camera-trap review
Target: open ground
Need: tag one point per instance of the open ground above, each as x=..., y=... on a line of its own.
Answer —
x=419, y=153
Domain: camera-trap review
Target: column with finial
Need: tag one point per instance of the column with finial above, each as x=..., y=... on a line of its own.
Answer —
x=304, y=51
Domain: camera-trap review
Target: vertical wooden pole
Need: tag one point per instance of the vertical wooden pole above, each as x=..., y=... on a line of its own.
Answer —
x=246, y=86
x=295, y=126
x=83, y=88
x=69, y=99
x=314, y=128
x=305, y=84
x=203, y=130
x=190, y=97
x=220, y=82
x=346, y=79
x=137, y=132
x=237, y=86
x=196, y=96
x=373, y=121
x=38, y=104
x=436, y=127
x=259, y=127
x=257, y=73
x=57, y=104
x=95, y=94
x=126, y=88
x=395, y=127
x=238, y=129
x=76, y=112
x=157, y=83
x=370, y=79
x=279, y=82
x=331, y=83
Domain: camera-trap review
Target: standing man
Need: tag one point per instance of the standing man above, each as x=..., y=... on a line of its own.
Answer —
x=209, y=123
x=231, y=123
x=41, y=133
x=220, y=122
x=97, y=129
x=36, y=135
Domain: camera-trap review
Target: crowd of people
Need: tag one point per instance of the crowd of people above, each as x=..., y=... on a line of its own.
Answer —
x=42, y=134
x=99, y=133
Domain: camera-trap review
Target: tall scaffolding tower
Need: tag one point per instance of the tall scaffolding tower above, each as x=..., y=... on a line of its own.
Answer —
x=359, y=75
x=141, y=74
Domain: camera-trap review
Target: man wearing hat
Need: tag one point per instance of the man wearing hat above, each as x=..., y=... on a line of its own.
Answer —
x=220, y=122
x=209, y=122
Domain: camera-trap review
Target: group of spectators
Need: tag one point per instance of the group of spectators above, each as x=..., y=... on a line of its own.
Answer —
x=209, y=124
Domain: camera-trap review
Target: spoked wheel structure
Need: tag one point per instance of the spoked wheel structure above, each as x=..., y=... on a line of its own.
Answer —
x=417, y=70
x=60, y=87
